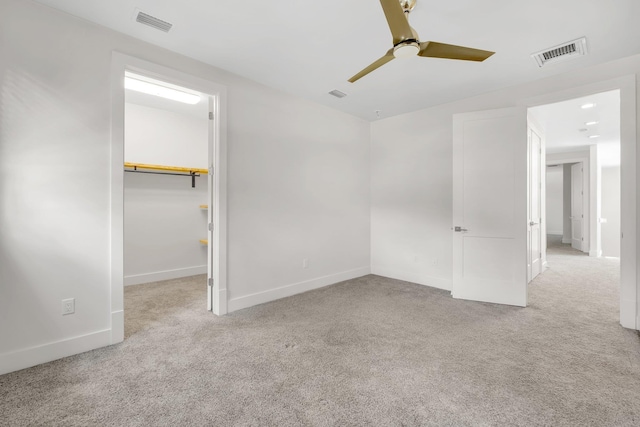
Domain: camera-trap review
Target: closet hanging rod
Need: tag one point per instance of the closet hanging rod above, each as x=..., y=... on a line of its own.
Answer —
x=171, y=170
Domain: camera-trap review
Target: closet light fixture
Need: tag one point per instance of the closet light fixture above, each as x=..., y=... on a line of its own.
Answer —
x=591, y=123
x=594, y=136
x=161, y=91
x=588, y=105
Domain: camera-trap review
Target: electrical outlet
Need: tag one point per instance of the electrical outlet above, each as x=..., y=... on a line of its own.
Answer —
x=68, y=306
x=305, y=263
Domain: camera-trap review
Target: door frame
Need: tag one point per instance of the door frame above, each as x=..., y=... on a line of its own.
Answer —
x=585, y=220
x=629, y=220
x=587, y=201
x=217, y=148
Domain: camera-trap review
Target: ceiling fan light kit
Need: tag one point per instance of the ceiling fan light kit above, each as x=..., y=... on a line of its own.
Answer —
x=406, y=42
x=406, y=50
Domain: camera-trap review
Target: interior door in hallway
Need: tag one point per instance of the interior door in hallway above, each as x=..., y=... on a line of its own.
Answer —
x=490, y=206
x=577, y=214
x=534, y=259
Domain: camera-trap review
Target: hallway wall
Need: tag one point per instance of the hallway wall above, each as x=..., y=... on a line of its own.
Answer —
x=611, y=211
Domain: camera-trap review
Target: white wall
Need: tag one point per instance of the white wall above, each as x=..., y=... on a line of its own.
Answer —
x=162, y=219
x=298, y=184
x=555, y=200
x=411, y=204
x=611, y=211
x=160, y=137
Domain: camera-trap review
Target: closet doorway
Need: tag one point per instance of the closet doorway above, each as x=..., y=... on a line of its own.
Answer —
x=168, y=192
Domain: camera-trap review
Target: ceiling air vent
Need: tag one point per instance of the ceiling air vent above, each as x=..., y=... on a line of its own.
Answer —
x=337, y=93
x=565, y=51
x=154, y=22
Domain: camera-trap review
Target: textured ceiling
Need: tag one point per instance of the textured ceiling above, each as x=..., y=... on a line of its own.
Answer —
x=309, y=48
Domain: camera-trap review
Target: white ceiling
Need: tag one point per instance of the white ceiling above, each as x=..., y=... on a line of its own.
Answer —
x=565, y=125
x=309, y=48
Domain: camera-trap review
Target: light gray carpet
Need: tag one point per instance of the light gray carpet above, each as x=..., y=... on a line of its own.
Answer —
x=366, y=352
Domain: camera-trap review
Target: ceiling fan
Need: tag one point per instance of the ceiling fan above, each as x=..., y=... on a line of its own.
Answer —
x=406, y=43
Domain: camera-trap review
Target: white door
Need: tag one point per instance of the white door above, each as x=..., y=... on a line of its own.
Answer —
x=577, y=214
x=535, y=205
x=490, y=206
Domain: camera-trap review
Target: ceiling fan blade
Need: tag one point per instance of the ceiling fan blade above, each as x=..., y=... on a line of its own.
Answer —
x=379, y=63
x=450, y=51
x=398, y=24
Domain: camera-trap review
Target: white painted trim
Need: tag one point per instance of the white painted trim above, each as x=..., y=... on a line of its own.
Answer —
x=554, y=233
x=295, y=288
x=157, y=276
x=566, y=241
x=119, y=64
x=26, y=358
x=420, y=279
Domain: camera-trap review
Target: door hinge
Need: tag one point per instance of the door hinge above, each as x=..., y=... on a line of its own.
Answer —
x=210, y=115
x=582, y=239
x=210, y=226
x=211, y=282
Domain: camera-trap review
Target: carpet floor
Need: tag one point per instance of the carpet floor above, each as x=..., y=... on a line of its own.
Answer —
x=365, y=352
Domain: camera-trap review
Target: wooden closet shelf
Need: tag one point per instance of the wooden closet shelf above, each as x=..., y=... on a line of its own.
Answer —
x=165, y=168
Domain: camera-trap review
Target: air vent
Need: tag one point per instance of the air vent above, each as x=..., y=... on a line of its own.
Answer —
x=337, y=93
x=154, y=22
x=565, y=51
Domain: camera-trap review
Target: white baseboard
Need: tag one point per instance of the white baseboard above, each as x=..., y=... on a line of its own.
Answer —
x=33, y=356
x=554, y=233
x=566, y=240
x=296, y=288
x=138, y=279
x=420, y=279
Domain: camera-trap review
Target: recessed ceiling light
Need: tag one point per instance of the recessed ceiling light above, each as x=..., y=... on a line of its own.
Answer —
x=591, y=123
x=161, y=91
x=588, y=105
x=594, y=136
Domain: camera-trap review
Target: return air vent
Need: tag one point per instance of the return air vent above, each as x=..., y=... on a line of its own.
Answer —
x=562, y=52
x=337, y=93
x=153, y=22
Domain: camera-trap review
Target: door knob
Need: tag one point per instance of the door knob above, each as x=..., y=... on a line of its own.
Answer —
x=532, y=223
x=458, y=229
